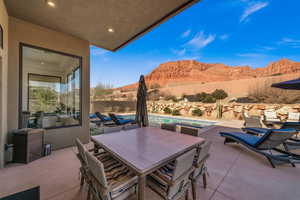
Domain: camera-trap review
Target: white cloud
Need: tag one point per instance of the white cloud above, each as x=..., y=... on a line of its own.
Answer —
x=251, y=55
x=95, y=51
x=290, y=42
x=252, y=8
x=186, y=33
x=224, y=37
x=179, y=52
x=201, y=40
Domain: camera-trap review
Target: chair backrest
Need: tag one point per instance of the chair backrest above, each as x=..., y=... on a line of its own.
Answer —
x=293, y=116
x=131, y=126
x=114, y=118
x=96, y=168
x=169, y=127
x=294, y=125
x=81, y=151
x=252, y=121
x=203, y=152
x=183, y=163
x=189, y=131
x=275, y=137
x=98, y=114
x=270, y=115
x=112, y=129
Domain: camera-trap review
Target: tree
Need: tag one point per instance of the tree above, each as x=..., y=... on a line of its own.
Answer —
x=102, y=89
x=219, y=94
x=43, y=99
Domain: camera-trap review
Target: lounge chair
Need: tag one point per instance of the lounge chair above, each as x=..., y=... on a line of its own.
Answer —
x=120, y=121
x=290, y=144
x=270, y=116
x=252, y=121
x=293, y=117
x=266, y=145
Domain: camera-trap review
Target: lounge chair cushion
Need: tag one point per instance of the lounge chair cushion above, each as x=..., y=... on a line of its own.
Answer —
x=258, y=131
x=246, y=138
x=125, y=121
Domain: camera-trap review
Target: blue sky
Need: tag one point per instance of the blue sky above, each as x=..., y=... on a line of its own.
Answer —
x=233, y=32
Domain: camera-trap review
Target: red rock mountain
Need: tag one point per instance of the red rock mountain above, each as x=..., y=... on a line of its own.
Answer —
x=194, y=71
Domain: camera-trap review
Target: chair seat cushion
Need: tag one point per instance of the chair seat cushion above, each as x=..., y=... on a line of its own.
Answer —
x=246, y=138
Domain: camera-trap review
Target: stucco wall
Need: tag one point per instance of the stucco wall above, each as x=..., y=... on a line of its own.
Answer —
x=3, y=81
x=24, y=32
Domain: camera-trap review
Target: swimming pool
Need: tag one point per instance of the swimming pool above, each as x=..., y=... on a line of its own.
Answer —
x=156, y=120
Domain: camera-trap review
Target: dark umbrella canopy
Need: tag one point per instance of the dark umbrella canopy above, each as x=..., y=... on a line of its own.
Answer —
x=289, y=85
x=141, y=116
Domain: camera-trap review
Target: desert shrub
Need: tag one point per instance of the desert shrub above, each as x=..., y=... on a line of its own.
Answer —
x=197, y=97
x=171, y=97
x=201, y=96
x=153, y=95
x=197, y=112
x=191, y=98
x=155, y=86
x=102, y=89
x=167, y=110
x=209, y=99
x=176, y=112
x=219, y=94
x=262, y=92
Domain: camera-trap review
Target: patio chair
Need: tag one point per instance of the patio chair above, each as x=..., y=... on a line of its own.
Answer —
x=252, y=121
x=200, y=159
x=270, y=116
x=131, y=126
x=200, y=167
x=266, y=145
x=119, y=121
x=293, y=117
x=168, y=126
x=172, y=181
x=110, y=181
x=83, y=161
x=291, y=144
x=190, y=131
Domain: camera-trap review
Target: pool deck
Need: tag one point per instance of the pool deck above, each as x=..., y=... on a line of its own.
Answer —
x=235, y=173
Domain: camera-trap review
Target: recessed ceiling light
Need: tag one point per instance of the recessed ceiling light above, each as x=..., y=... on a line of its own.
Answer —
x=51, y=3
x=111, y=30
x=42, y=63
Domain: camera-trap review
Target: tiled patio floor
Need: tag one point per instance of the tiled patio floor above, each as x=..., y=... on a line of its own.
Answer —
x=235, y=173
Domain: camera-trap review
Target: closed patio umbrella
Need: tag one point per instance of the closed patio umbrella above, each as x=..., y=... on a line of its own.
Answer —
x=289, y=85
x=141, y=116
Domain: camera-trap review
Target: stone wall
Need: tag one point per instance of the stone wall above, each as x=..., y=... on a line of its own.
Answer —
x=228, y=110
x=112, y=106
x=210, y=110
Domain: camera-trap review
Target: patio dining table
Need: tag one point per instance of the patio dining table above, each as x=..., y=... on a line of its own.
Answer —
x=144, y=150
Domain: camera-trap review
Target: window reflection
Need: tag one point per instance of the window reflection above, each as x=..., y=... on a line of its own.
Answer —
x=51, y=84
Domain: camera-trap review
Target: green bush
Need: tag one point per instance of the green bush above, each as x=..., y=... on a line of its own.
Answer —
x=176, y=112
x=219, y=94
x=167, y=110
x=171, y=97
x=209, y=99
x=197, y=112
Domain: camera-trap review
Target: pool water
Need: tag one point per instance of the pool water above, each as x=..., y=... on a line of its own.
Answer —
x=156, y=120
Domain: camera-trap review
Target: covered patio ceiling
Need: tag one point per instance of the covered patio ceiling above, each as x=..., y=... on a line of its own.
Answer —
x=107, y=24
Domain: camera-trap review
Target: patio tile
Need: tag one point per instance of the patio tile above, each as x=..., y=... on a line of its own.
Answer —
x=253, y=172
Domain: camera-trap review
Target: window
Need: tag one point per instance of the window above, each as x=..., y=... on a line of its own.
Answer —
x=50, y=93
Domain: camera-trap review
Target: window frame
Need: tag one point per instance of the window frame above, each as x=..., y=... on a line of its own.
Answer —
x=20, y=109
